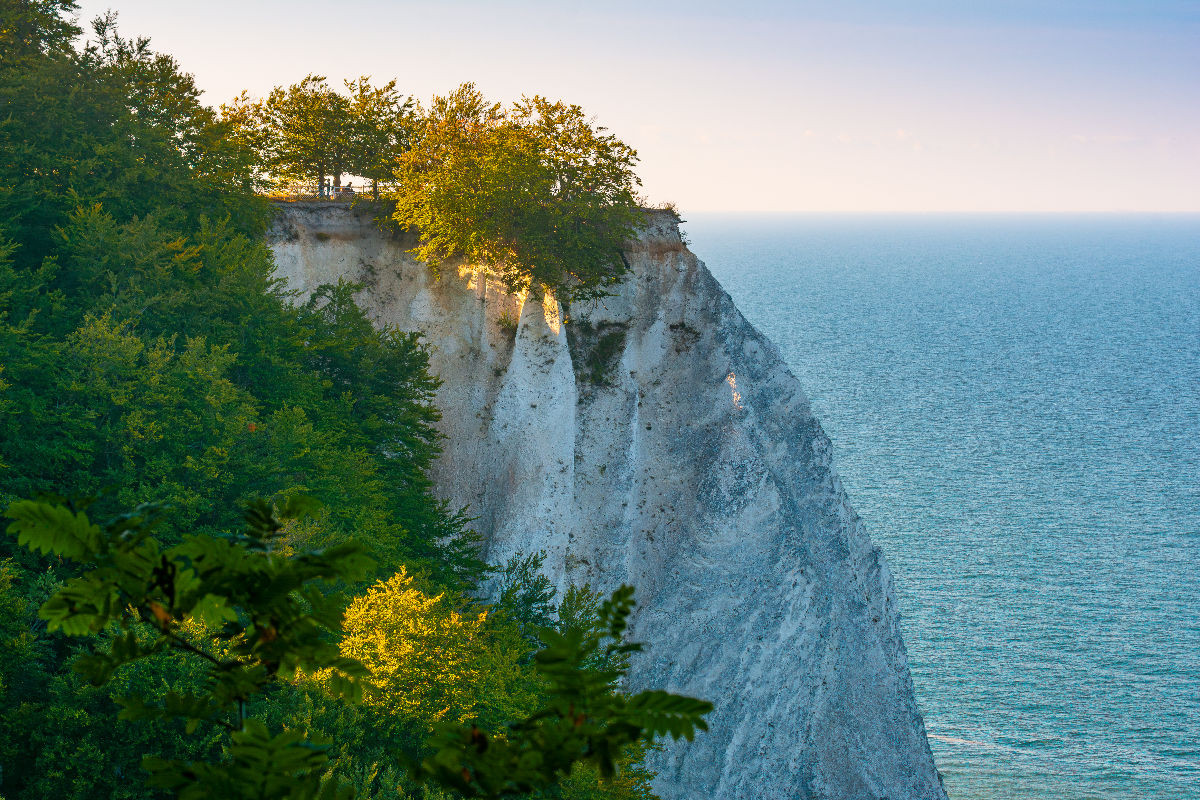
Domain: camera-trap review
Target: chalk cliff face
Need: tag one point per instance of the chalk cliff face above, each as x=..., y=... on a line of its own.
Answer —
x=658, y=439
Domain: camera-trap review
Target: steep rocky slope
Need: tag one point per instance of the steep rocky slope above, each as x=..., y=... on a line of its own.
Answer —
x=659, y=439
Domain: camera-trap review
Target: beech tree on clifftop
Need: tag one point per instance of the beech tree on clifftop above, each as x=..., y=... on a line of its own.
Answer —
x=536, y=191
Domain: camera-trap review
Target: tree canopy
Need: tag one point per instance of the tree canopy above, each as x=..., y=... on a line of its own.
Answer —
x=534, y=191
x=307, y=131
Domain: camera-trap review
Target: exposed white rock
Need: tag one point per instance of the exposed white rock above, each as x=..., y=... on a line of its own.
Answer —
x=694, y=470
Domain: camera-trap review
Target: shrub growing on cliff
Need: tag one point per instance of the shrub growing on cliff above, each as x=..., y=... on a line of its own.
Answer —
x=534, y=191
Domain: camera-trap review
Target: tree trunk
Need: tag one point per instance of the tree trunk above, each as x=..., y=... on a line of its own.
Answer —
x=374, y=189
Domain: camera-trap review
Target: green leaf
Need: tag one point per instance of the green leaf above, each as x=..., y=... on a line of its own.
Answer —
x=84, y=605
x=213, y=610
x=53, y=529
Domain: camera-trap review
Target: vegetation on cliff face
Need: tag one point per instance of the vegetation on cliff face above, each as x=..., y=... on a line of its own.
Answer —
x=148, y=356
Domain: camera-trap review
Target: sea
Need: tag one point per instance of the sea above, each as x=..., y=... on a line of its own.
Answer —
x=1014, y=405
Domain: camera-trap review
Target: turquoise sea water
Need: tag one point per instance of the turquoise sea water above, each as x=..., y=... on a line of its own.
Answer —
x=1014, y=404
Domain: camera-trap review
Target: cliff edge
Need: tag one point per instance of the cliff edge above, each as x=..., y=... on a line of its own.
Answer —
x=656, y=438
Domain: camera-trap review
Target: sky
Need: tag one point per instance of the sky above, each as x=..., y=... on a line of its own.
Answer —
x=760, y=106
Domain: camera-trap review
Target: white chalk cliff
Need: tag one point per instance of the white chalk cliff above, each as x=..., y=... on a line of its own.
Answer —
x=658, y=439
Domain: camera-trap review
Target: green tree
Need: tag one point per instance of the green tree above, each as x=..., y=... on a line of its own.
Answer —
x=582, y=719
x=113, y=123
x=431, y=657
x=306, y=132
x=535, y=192
x=29, y=29
x=24, y=661
x=147, y=354
x=380, y=122
x=526, y=596
x=243, y=120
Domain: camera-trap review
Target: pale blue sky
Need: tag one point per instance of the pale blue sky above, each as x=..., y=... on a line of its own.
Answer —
x=856, y=105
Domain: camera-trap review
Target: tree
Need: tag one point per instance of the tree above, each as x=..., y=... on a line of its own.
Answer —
x=147, y=354
x=380, y=121
x=29, y=29
x=305, y=131
x=308, y=130
x=535, y=192
x=111, y=123
x=426, y=656
x=244, y=124
x=582, y=720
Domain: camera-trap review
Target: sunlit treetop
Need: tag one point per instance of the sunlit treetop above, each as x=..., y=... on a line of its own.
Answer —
x=535, y=191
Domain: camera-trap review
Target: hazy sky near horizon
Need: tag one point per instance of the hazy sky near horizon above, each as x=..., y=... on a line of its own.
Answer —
x=857, y=105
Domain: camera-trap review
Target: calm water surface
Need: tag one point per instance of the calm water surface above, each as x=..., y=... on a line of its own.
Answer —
x=1014, y=404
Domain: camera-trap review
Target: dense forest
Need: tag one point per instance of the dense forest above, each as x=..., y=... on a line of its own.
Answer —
x=229, y=570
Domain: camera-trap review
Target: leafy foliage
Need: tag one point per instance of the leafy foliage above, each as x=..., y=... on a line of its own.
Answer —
x=308, y=130
x=304, y=132
x=380, y=121
x=583, y=720
x=420, y=652
x=147, y=355
x=115, y=124
x=595, y=349
x=253, y=615
x=262, y=767
x=152, y=351
x=535, y=191
x=525, y=595
x=28, y=30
